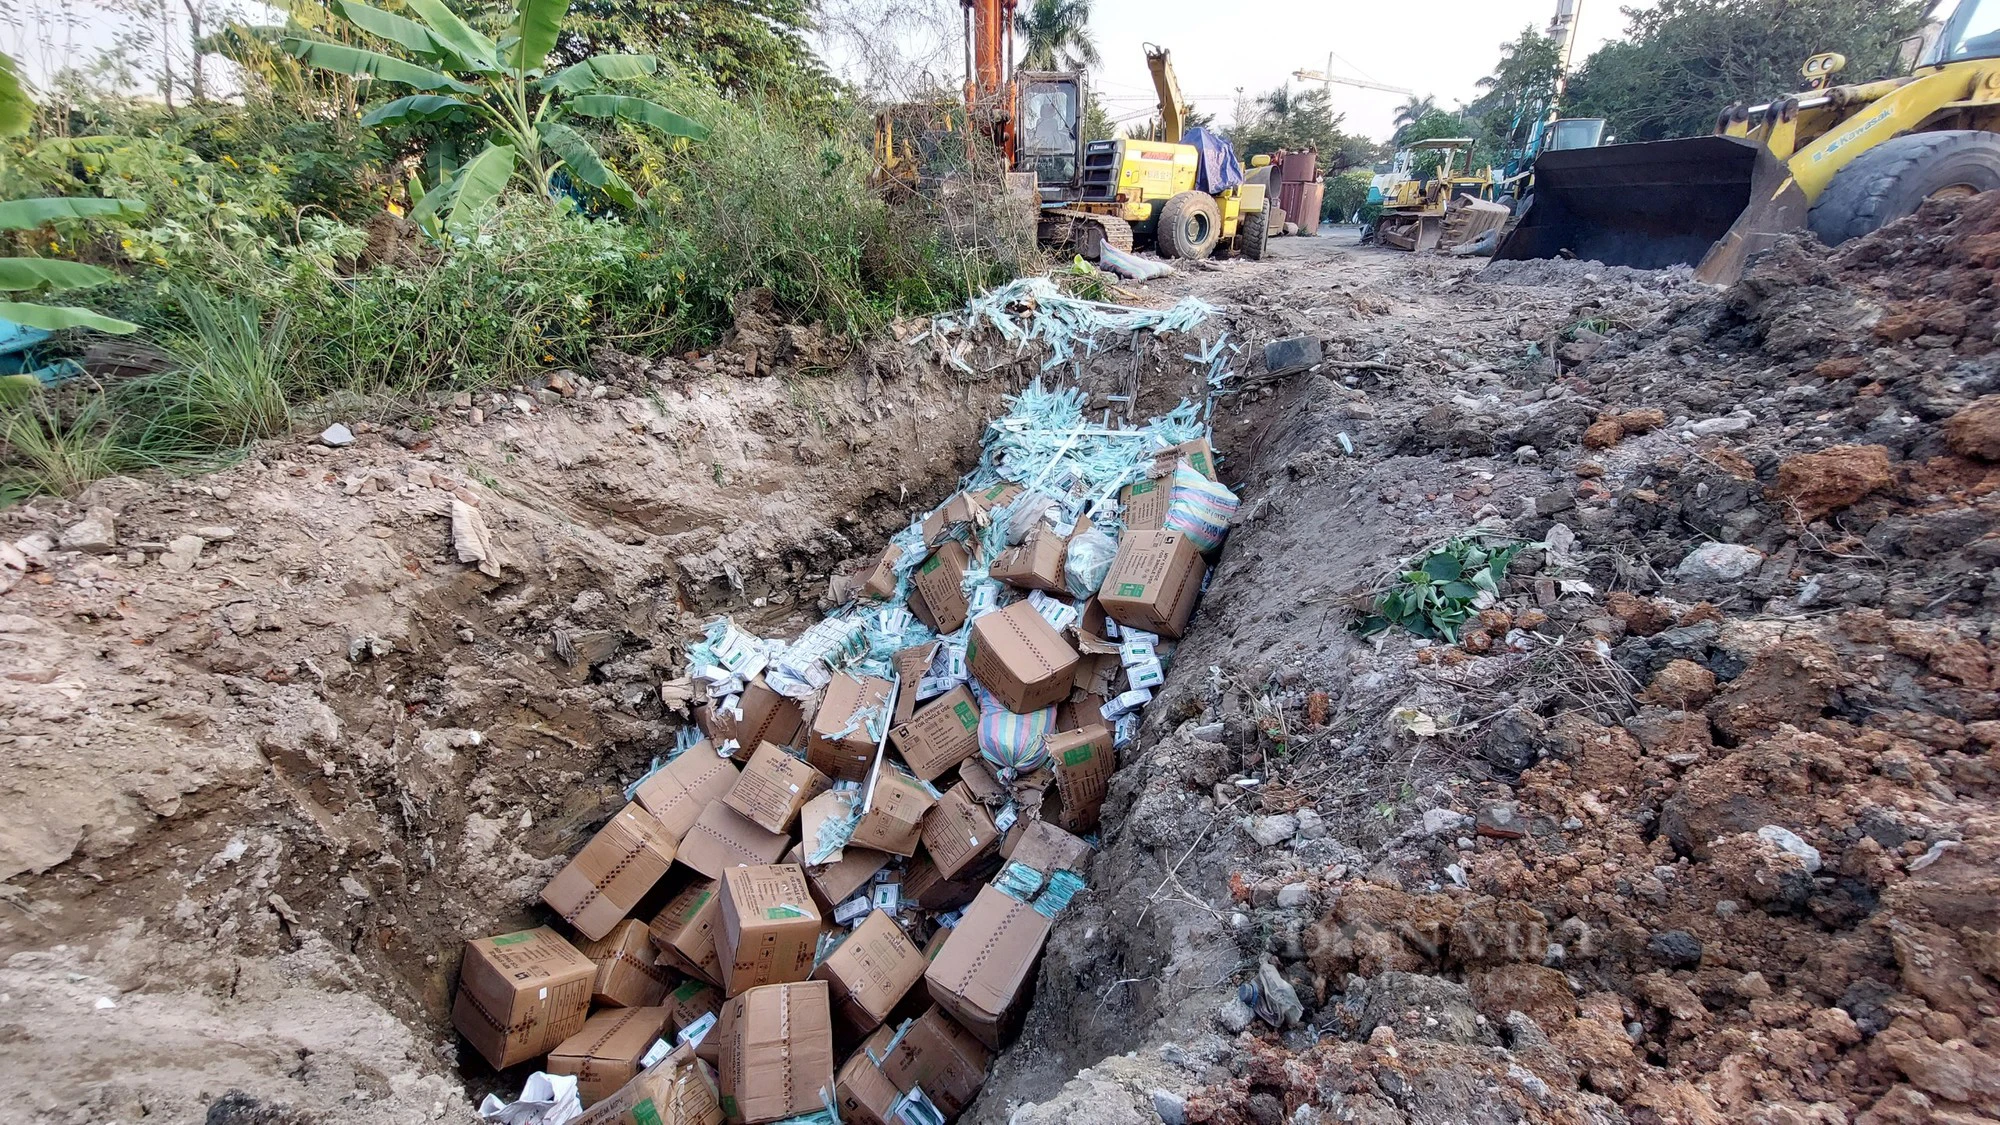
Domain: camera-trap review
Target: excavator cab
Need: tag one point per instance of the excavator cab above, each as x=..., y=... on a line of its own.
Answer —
x=1048, y=136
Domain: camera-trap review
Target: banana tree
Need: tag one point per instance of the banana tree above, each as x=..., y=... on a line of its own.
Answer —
x=27, y=275
x=459, y=73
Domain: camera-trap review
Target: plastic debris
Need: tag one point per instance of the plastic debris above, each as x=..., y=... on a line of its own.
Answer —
x=546, y=1099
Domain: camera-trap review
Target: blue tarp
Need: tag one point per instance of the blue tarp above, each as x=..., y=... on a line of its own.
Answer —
x=1216, y=170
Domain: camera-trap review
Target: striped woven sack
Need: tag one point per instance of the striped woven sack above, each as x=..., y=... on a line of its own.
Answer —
x=1013, y=741
x=1200, y=508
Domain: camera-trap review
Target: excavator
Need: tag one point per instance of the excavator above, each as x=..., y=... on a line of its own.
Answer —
x=1840, y=159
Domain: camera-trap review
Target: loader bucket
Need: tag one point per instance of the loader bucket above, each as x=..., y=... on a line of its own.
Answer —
x=1707, y=202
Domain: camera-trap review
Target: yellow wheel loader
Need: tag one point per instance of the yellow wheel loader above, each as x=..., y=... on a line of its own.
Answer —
x=1444, y=209
x=1839, y=159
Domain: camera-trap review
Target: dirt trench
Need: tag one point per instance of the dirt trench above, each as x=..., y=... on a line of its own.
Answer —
x=267, y=793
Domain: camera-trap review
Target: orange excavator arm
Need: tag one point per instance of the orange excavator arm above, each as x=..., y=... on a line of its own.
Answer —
x=989, y=70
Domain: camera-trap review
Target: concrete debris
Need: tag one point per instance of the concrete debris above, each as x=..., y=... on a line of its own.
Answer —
x=95, y=534
x=1719, y=562
x=336, y=436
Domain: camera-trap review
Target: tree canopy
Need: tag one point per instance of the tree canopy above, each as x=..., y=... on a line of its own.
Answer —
x=1055, y=35
x=1301, y=119
x=1683, y=61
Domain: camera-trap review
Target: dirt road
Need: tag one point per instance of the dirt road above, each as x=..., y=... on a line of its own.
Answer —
x=1694, y=824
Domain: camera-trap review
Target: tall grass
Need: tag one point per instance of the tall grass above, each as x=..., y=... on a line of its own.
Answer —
x=45, y=449
x=226, y=387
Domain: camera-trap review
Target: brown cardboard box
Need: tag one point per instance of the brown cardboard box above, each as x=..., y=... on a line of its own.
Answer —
x=679, y=790
x=911, y=663
x=603, y=882
x=867, y=1097
x=520, y=994
x=977, y=775
x=776, y=1047
x=673, y=1091
x=878, y=581
x=1146, y=504
x=995, y=496
x=1083, y=761
x=684, y=930
x=770, y=926
x=956, y=512
x=942, y=733
x=835, y=883
x=982, y=975
x=1044, y=847
x=1199, y=455
x=938, y=588
x=723, y=838
x=845, y=757
x=767, y=717
x=605, y=1054
x=1090, y=635
x=1016, y=655
x=871, y=969
x=1036, y=564
x=773, y=786
x=1153, y=581
x=926, y=886
x=1081, y=709
x=959, y=832
x=629, y=973
x=942, y=1058
x=894, y=817
x=689, y=1001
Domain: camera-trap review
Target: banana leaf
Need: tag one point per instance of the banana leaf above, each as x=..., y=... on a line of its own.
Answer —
x=644, y=112
x=55, y=318
x=22, y=274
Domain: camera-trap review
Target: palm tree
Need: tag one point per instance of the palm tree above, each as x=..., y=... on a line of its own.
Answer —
x=1411, y=112
x=1277, y=105
x=1057, y=34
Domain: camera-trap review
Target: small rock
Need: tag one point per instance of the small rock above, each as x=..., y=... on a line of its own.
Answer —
x=182, y=554
x=336, y=435
x=1549, y=503
x=1719, y=562
x=95, y=534
x=1311, y=825
x=1293, y=353
x=354, y=888
x=1676, y=949
x=1572, y=823
x=1437, y=822
x=1234, y=1015
x=1171, y=1107
x=1752, y=986
x=1501, y=822
x=1975, y=431
x=1526, y=455
x=105, y=1004
x=1728, y=424
x=1271, y=831
x=1291, y=896
x=1789, y=840
x=216, y=533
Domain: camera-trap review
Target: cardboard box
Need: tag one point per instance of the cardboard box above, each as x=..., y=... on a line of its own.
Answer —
x=723, y=838
x=867, y=1097
x=1016, y=655
x=1081, y=709
x=1083, y=761
x=926, y=886
x=1044, y=847
x=684, y=930
x=1036, y=564
x=673, y=1091
x=995, y=496
x=959, y=832
x=911, y=663
x=941, y=734
x=1153, y=581
x=983, y=974
x=977, y=775
x=770, y=927
x=776, y=1049
x=1199, y=455
x=878, y=581
x=942, y=1058
x=1145, y=503
x=870, y=972
x=767, y=717
x=520, y=994
x=937, y=594
x=845, y=757
x=629, y=973
x=679, y=790
x=689, y=1001
x=835, y=883
x=602, y=883
x=773, y=786
x=894, y=818
x=605, y=1054
x=956, y=512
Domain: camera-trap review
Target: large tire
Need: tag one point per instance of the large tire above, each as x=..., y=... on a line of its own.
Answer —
x=1890, y=180
x=1190, y=226
x=1255, y=234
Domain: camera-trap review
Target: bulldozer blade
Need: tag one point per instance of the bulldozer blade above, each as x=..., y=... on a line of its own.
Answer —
x=1706, y=202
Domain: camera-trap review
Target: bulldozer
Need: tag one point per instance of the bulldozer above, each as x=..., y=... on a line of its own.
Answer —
x=1442, y=210
x=1185, y=197
x=1838, y=159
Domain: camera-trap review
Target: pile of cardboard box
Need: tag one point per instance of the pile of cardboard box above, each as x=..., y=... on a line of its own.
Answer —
x=834, y=900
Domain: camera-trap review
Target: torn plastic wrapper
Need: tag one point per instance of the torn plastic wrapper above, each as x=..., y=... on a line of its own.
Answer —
x=546, y=1099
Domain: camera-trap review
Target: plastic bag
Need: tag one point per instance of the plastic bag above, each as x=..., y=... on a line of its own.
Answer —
x=1200, y=508
x=1089, y=559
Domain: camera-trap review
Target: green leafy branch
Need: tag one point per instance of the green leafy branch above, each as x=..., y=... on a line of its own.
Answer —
x=1441, y=592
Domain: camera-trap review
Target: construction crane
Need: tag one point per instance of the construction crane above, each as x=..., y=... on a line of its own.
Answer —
x=1328, y=78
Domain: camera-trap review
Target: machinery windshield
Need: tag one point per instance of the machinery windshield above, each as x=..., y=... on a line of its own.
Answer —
x=1971, y=31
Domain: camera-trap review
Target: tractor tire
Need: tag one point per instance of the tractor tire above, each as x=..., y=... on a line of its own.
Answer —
x=1255, y=234
x=1190, y=226
x=1892, y=179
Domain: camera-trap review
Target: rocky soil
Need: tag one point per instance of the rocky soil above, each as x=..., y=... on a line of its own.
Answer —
x=1696, y=825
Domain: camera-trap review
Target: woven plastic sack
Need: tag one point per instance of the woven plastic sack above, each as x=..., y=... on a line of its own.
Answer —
x=1009, y=740
x=1089, y=559
x=1200, y=508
